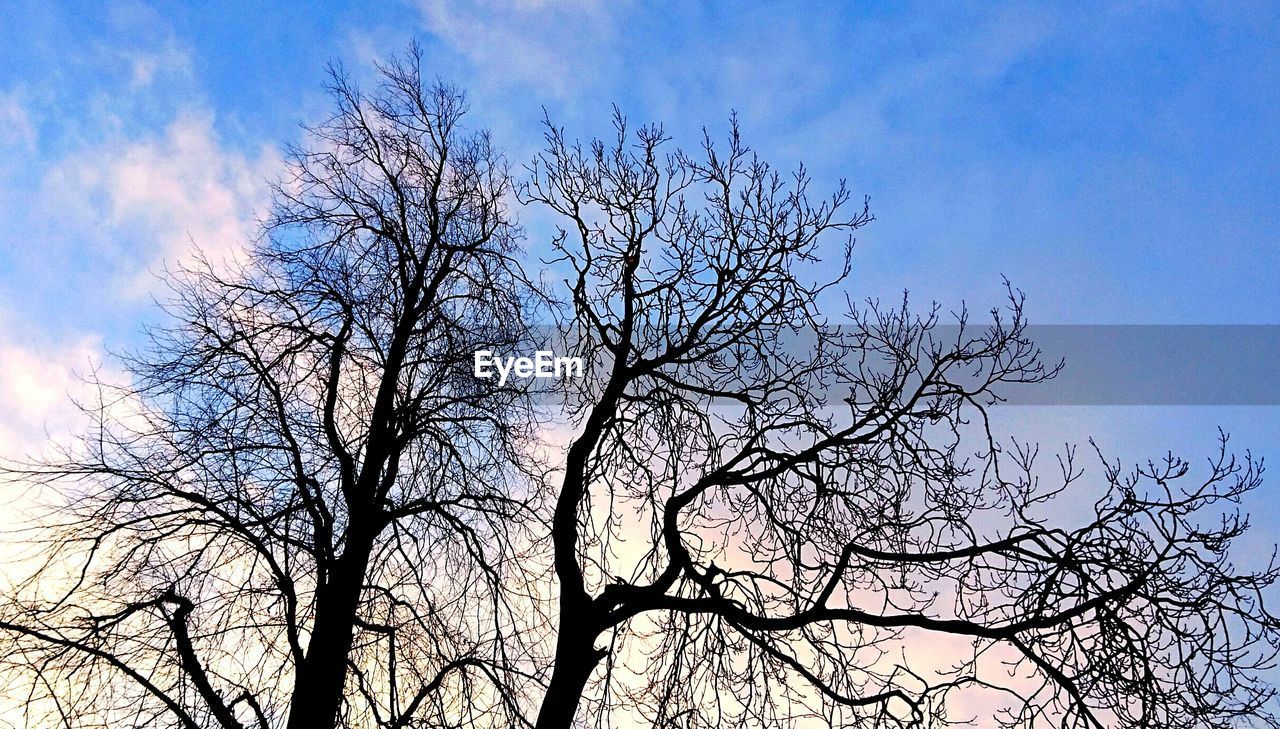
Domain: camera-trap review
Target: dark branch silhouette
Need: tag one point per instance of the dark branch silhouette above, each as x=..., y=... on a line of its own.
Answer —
x=300, y=512
x=821, y=494
x=776, y=507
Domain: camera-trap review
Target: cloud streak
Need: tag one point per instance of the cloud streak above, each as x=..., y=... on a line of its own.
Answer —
x=143, y=204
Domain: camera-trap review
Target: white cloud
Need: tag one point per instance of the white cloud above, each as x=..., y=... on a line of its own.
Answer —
x=40, y=379
x=549, y=45
x=16, y=128
x=146, y=202
x=168, y=58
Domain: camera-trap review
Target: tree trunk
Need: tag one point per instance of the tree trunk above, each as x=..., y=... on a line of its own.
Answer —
x=576, y=658
x=318, y=687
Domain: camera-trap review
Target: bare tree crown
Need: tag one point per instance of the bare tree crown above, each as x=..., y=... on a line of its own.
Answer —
x=814, y=511
x=776, y=507
x=306, y=518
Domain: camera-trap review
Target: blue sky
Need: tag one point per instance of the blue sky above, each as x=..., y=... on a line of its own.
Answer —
x=1116, y=161
x=1119, y=162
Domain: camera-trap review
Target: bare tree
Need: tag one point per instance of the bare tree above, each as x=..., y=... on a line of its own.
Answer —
x=822, y=493
x=297, y=513
x=305, y=511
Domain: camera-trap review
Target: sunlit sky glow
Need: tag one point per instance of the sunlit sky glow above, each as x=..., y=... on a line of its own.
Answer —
x=1119, y=162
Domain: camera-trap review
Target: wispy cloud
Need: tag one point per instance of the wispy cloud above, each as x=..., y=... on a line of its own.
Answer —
x=39, y=377
x=16, y=126
x=169, y=57
x=554, y=47
x=146, y=202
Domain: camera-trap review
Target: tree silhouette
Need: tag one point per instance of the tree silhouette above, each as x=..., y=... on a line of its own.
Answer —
x=299, y=508
x=776, y=507
x=818, y=494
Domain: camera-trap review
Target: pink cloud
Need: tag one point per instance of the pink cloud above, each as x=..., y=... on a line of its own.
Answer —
x=149, y=202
